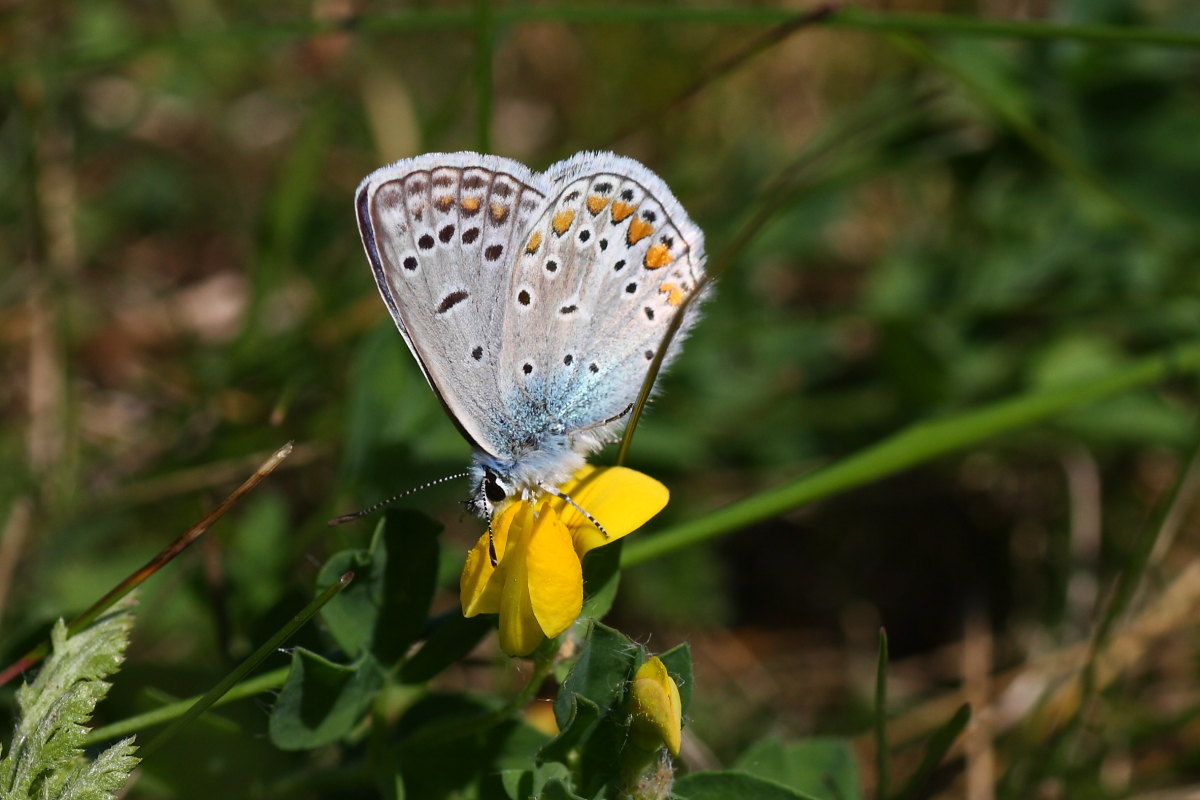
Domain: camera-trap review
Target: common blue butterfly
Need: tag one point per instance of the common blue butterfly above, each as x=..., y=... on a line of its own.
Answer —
x=532, y=301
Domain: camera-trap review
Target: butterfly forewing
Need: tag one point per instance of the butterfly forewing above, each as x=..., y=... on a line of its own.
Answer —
x=439, y=231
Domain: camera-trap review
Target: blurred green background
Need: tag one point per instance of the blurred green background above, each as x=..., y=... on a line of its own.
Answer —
x=912, y=220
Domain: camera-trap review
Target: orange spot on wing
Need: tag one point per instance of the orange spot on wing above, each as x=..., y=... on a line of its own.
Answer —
x=444, y=202
x=534, y=243
x=469, y=203
x=596, y=203
x=621, y=210
x=658, y=255
x=675, y=295
x=638, y=229
x=562, y=220
x=499, y=212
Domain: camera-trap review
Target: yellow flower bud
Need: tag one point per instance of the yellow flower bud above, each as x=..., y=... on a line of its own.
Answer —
x=655, y=707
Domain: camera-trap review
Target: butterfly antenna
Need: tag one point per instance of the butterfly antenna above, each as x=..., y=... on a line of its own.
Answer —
x=574, y=505
x=372, y=509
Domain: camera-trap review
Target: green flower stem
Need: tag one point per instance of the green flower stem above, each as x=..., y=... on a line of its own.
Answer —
x=915, y=445
x=261, y=683
x=231, y=680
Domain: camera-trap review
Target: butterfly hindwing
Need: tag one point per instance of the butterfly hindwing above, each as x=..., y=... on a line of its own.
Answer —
x=599, y=275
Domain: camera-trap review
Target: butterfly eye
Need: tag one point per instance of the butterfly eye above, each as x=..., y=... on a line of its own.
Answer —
x=492, y=489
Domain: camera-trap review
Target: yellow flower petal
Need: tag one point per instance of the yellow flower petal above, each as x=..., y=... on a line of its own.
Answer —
x=480, y=584
x=657, y=717
x=621, y=499
x=520, y=633
x=554, y=573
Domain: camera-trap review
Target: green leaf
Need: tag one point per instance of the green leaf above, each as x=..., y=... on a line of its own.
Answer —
x=822, y=767
x=520, y=784
x=321, y=700
x=724, y=785
x=581, y=721
x=443, y=754
x=100, y=779
x=590, y=708
x=45, y=755
x=678, y=661
x=601, y=672
x=517, y=783
x=384, y=610
x=451, y=638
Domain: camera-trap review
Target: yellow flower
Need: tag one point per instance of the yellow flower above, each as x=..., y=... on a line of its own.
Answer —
x=657, y=716
x=537, y=585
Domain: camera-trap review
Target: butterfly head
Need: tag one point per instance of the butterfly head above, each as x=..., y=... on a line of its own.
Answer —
x=491, y=489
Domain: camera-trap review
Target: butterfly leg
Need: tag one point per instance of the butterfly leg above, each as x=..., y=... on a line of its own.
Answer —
x=576, y=506
x=492, y=545
x=602, y=423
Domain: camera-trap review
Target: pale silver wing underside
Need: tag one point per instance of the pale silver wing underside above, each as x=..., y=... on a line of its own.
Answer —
x=533, y=302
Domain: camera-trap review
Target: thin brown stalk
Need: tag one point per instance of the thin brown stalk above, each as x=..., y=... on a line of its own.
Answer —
x=152, y=566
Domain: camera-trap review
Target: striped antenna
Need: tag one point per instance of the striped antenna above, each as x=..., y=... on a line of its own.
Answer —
x=372, y=509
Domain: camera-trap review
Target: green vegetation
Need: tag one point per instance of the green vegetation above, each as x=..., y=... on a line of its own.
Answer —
x=945, y=385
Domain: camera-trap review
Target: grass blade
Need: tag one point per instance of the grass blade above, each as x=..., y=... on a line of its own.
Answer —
x=882, y=755
x=914, y=445
x=164, y=557
x=253, y=660
x=939, y=744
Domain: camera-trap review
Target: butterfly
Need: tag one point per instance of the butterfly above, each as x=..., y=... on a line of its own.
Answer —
x=533, y=302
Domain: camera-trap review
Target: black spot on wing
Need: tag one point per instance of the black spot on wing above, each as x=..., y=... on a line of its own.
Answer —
x=451, y=300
